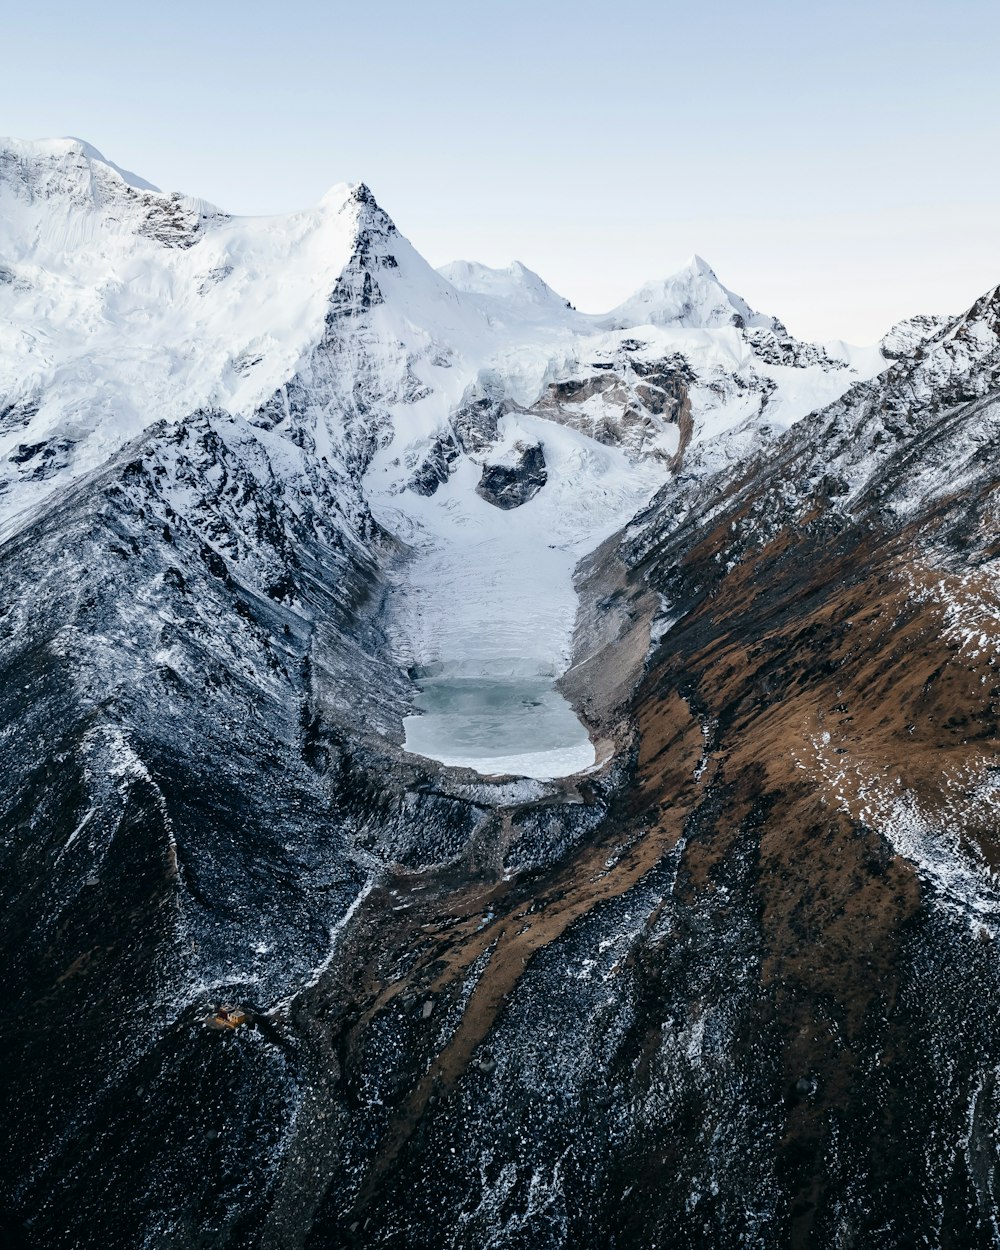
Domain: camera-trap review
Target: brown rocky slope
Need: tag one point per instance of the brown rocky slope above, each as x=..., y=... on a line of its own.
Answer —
x=756, y=1005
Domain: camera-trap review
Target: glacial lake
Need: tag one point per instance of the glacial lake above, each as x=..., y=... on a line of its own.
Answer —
x=522, y=726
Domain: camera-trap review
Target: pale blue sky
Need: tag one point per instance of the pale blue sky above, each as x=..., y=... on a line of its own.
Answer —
x=837, y=164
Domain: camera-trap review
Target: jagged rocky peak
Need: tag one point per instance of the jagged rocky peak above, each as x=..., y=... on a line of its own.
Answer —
x=911, y=333
x=692, y=298
x=964, y=347
x=952, y=360
x=374, y=239
x=370, y=217
x=981, y=322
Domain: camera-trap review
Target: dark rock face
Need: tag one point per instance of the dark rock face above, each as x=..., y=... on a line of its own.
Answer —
x=639, y=397
x=357, y=289
x=511, y=485
x=16, y=416
x=777, y=347
x=908, y=336
x=476, y=421
x=37, y=461
x=435, y=467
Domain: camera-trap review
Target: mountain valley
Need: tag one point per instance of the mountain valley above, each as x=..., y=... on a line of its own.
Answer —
x=481, y=774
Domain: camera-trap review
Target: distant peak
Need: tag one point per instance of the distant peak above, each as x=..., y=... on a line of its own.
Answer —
x=73, y=145
x=515, y=283
x=696, y=264
x=692, y=297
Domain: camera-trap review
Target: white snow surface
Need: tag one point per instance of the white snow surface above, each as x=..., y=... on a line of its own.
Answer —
x=517, y=286
x=693, y=297
x=121, y=306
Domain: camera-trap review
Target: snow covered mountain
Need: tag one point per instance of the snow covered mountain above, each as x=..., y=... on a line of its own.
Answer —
x=694, y=298
x=459, y=746
x=515, y=286
x=122, y=305
x=354, y=369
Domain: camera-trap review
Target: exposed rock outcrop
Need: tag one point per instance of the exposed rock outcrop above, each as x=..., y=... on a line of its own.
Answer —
x=511, y=482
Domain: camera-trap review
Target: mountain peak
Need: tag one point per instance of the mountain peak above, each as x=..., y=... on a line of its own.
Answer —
x=514, y=284
x=68, y=152
x=94, y=154
x=357, y=198
x=361, y=194
x=698, y=265
x=692, y=298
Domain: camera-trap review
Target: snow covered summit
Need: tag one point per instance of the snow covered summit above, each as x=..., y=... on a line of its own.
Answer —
x=516, y=286
x=121, y=305
x=693, y=297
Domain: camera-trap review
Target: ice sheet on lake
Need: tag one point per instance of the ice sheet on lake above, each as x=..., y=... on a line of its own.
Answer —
x=522, y=727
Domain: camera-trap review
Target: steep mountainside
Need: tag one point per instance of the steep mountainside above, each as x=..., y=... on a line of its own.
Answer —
x=322, y=928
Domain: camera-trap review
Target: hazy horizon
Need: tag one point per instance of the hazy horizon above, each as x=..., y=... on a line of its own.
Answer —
x=833, y=167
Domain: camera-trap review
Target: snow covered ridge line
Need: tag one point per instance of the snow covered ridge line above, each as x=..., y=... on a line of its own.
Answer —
x=121, y=305
x=480, y=419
